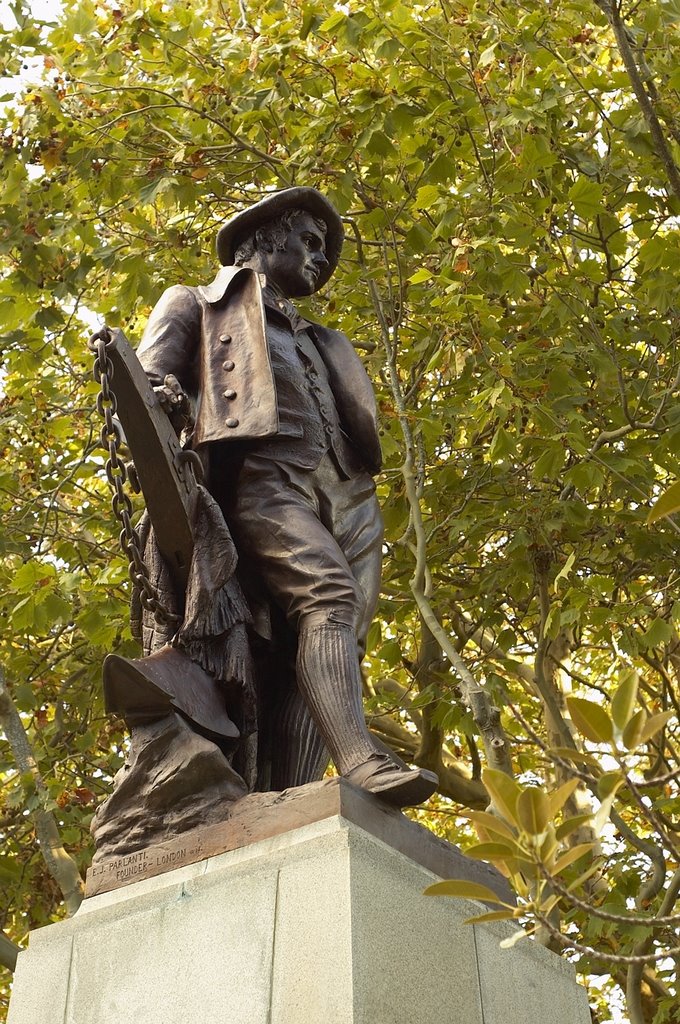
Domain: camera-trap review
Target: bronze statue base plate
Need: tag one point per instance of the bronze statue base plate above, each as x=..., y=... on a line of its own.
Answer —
x=260, y=816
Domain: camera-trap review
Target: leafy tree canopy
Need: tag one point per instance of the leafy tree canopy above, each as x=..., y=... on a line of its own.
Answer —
x=507, y=173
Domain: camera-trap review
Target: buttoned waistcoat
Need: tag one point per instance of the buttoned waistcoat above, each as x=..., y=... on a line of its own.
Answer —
x=213, y=339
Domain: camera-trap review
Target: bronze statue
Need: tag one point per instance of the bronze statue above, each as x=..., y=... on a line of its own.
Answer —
x=282, y=415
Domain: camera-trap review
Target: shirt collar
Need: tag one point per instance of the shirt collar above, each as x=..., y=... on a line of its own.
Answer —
x=277, y=302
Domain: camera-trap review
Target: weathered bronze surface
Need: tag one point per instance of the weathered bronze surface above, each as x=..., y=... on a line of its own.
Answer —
x=262, y=816
x=174, y=781
x=166, y=480
x=145, y=689
x=281, y=413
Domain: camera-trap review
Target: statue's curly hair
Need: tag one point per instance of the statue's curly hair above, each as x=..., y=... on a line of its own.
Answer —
x=271, y=235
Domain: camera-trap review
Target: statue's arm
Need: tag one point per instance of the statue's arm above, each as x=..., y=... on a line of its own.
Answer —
x=170, y=342
x=354, y=395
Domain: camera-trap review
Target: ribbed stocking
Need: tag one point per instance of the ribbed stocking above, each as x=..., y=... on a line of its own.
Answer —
x=299, y=754
x=329, y=678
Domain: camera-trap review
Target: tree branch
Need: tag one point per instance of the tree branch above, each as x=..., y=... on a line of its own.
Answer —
x=613, y=13
x=60, y=864
x=635, y=970
x=474, y=696
x=452, y=782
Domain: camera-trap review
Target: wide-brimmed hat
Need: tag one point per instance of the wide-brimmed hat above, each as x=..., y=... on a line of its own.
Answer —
x=243, y=224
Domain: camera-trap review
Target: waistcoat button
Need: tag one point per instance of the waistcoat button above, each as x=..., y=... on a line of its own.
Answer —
x=229, y=393
x=228, y=364
x=231, y=422
x=226, y=338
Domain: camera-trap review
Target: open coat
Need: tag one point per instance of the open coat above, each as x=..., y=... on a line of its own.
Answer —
x=213, y=339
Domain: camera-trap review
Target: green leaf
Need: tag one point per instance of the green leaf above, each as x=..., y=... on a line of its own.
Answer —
x=658, y=633
x=310, y=21
x=31, y=575
x=570, y=825
x=584, y=476
x=491, y=823
x=464, y=890
x=333, y=21
x=565, y=570
x=625, y=699
x=426, y=197
x=571, y=856
x=390, y=652
x=504, y=793
x=379, y=144
x=633, y=730
x=513, y=939
x=653, y=725
x=502, y=445
x=586, y=195
x=559, y=798
x=547, y=845
x=493, y=915
x=492, y=851
x=420, y=275
x=591, y=720
x=609, y=783
x=486, y=57
x=549, y=464
x=603, y=813
x=592, y=869
x=533, y=810
x=667, y=505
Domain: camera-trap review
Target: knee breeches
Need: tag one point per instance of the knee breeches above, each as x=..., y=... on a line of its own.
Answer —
x=314, y=539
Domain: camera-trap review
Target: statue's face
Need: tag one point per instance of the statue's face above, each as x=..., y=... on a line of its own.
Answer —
x=297, y=268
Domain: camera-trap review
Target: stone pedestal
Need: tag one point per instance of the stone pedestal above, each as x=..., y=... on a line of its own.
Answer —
x=323, y=924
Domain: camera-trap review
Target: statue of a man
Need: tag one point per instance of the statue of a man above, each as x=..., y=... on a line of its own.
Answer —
x=284, y=418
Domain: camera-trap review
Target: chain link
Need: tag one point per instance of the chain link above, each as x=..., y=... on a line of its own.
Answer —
x=117, y=474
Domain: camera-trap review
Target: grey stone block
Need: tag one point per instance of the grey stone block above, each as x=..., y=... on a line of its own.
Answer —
x=42, y=978
x=412, y=956
x=526, y=982
x=324, y=924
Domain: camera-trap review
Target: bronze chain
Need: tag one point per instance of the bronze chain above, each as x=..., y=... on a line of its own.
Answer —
x=117, y=474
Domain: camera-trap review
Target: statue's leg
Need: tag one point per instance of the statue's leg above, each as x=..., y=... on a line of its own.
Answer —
x=284, y=519
x=300, y=754
x=330, y=679
x=292, y=747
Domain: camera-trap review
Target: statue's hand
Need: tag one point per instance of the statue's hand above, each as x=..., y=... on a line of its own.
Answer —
x=171, y=396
